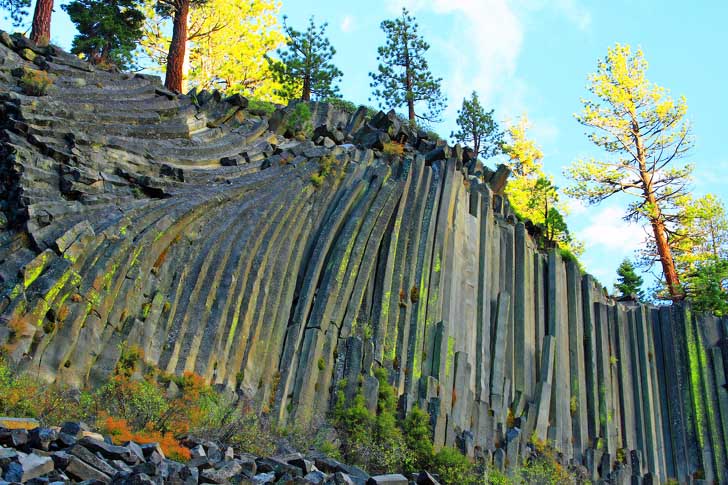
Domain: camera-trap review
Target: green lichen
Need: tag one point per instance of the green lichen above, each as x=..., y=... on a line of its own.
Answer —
x=695, y=384
x=385, y=304
x=437, y=264
x=450, y=355
x=32, y=272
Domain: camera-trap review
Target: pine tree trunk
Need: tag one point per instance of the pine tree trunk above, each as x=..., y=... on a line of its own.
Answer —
x=41, y=32
x=306, y=96
x=656, y=219
x=176, y=57
x=668, y=264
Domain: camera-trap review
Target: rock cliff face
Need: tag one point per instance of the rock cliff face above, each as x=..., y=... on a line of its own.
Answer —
x=286, y=270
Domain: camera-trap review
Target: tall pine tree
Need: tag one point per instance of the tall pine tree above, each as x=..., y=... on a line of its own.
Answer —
x=41, y=26
x=306, y=66
x=478, y=128
x=629, y=282
x=644, y=133
x=108, y=30
x=403, y=76
x=179, y=11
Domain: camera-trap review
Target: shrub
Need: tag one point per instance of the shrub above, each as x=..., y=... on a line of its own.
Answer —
x=342, y=105
x=261, y=107
x=121, y=432
x=393, y=149
x=299, y=122
x=25, y=396
x=35, y=83
x=317, y=180
x=453, y=467
x=417, y=434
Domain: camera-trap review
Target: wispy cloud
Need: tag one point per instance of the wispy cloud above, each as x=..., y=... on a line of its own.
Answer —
x=607, y=229
x=347, y=24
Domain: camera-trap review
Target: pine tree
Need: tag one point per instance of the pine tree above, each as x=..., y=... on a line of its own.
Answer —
x=306, y=66
x=40, y=32
x=179, y=11
x=644, y=132
x=41, y=26
x=477, y=127
x=108, y=30
x=403, y=76
x=629, y=282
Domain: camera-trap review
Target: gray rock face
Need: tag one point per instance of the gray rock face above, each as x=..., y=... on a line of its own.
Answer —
x=284, y=270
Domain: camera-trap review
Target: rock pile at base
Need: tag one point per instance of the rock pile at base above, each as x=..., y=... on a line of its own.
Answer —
x=72, y=454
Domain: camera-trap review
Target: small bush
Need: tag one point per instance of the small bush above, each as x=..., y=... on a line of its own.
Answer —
x=317, y=180
x=261, y=107
x=299, y=122
x=342, y=105
x=393, y=149
x=35, y=83
x=453, y=467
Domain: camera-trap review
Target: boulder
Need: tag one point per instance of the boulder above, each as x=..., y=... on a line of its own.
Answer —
x=223, y=474
x=18, y=423
x=391, y=479
x=424, y=478
x=82, y=471
x=35, y=466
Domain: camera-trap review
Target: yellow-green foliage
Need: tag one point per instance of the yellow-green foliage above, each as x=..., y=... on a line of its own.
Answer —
x=393, y=149
x=327, y=166
x=317, y=180
x=35, y=83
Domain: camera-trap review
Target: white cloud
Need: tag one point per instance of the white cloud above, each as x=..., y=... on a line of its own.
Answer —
x=347, y=24
x=607, y=230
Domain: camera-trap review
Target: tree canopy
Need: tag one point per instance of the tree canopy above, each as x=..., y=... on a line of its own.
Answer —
x=108, y=30
x=305, y=68
x=478, y=128
x=227, y=40
x=403, y=75
x=629, y=283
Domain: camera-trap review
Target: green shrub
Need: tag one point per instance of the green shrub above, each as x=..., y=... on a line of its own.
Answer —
x=261, y=107
x=35, y=83
x=317, y=180
x=453, y=467
x=299, y=122
x=417, y=434
x=342, y=104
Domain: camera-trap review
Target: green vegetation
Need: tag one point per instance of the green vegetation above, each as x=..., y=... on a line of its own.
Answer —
x=259, y=106
x=305, y=69
x=35, y=83
x=628, y=281
x=403, y=76
x=478, y=128
x=644, y=134
x=108, y=30
x=299, y=122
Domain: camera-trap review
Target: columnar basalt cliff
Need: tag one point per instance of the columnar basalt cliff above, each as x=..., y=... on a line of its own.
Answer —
x=289, y=268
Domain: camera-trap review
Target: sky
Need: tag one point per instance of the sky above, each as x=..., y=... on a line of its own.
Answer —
x=533, y=57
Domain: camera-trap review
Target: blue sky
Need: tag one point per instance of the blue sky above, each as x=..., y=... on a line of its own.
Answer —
x=533, y=56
